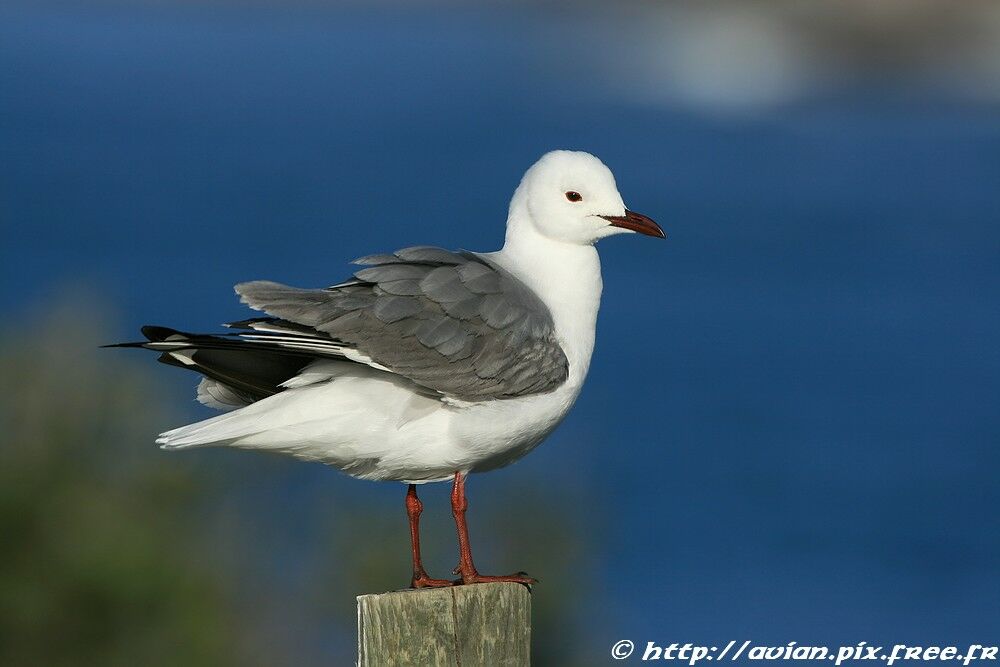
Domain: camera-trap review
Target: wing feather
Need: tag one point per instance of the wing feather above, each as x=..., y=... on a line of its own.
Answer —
x=452, y=322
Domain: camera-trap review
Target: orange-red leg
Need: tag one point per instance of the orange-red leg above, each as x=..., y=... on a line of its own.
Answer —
x=466, y=568
x=413, y=509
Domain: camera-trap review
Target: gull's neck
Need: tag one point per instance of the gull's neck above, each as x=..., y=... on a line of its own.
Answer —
x=566, y=276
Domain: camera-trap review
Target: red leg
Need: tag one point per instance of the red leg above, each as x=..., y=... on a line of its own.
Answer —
x=413, y=509
x=466, y=568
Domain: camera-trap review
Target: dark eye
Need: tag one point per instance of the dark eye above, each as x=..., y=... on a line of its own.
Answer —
x=573, y=196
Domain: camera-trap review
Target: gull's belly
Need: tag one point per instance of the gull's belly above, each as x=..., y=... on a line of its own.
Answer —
x=469, y=438
x=498, y=433
x=371, y=428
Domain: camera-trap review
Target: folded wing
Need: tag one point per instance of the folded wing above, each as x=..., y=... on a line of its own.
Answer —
x=451, y=322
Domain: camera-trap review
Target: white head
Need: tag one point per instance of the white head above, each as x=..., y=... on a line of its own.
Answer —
x=570, y=196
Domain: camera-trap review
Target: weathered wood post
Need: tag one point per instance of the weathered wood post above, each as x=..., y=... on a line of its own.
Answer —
x=480, y=624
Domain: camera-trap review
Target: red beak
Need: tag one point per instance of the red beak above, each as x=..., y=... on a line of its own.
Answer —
x=636, y=222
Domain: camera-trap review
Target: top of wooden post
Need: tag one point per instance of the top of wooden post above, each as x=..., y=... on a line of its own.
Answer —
x=478, y=624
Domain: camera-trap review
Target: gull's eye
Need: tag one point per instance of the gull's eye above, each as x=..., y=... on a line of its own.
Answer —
x=573, y=196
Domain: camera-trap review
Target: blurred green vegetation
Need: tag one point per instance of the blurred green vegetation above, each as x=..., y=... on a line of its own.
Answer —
x=99, y=561
x=115, y=553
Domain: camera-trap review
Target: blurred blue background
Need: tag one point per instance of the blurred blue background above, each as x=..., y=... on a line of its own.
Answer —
x=790, y=429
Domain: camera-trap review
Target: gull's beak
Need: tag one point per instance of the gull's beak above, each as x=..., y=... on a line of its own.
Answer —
x=636, y=222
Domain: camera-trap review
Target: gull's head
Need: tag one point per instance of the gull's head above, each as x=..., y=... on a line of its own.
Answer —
x=570, y=196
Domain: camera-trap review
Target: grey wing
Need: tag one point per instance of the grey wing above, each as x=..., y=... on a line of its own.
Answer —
x=452, y=322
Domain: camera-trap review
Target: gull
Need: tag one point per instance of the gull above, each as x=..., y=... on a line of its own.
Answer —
x=427, y=364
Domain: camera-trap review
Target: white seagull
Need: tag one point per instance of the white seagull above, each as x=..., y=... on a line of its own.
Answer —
x=426, y=365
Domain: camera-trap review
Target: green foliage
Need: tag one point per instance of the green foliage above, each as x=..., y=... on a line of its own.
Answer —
x=98, y=562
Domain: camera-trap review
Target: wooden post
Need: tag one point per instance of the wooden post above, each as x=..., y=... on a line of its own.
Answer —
x=479, y=624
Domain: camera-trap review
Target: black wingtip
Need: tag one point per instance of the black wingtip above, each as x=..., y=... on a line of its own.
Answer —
x=153, y=334
x=157, y=333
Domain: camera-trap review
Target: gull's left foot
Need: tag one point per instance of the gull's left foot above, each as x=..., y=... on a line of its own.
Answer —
x=473, y=577
x=421, y=580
